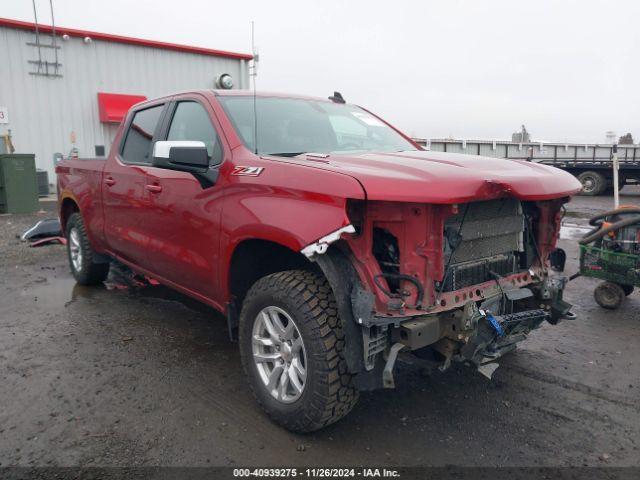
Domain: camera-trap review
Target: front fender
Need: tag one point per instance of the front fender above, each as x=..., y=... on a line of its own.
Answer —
x=288, y=218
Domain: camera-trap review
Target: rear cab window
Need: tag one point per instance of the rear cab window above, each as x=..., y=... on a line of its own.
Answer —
x=138, y=140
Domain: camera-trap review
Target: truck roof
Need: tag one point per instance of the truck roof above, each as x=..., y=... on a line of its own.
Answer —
x=242, y=93
x=238, y=93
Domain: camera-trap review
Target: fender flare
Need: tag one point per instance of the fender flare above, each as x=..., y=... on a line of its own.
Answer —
x=228, y=249
x=99, y=256
x=64, y=197
x=343, y=279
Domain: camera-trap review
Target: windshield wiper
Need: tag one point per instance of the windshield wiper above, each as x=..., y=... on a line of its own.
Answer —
x=286, y=154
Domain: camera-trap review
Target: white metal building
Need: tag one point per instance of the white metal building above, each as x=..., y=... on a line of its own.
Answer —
x=64, y=88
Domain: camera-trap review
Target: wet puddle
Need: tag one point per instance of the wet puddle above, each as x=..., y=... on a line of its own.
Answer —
x=56, y=292
x=60, y=292
x=572, y=231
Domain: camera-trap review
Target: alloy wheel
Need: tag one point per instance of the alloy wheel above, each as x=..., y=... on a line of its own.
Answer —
x=75, y=249
x=279, y=354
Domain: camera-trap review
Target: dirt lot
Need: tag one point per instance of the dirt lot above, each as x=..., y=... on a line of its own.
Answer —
x=92, y=376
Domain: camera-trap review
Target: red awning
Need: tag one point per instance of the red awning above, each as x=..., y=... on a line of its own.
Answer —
x=114, y=106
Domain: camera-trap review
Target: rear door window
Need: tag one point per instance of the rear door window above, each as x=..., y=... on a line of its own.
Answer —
x=137, y=144
x=191, y=122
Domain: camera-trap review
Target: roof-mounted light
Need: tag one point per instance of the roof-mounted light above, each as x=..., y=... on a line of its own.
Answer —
x=224, y=81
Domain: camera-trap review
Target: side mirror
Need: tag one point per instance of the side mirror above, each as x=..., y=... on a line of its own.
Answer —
x=181, y=155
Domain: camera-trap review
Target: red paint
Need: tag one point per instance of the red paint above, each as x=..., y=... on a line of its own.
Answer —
x=185, y=236
x=72, y=32
x=452, y=178
x=113, y=107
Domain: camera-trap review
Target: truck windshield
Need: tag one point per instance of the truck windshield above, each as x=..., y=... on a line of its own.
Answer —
x=290, y=126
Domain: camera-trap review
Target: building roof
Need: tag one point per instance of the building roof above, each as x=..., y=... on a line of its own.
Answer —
x=72, y=32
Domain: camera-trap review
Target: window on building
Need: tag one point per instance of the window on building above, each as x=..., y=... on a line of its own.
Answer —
x=191, y=122
x=137, y=144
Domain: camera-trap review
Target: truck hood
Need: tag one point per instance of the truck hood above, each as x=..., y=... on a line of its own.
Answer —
x=434, y=177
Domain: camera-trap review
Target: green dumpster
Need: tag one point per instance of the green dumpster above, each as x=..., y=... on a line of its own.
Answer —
x=18, y=183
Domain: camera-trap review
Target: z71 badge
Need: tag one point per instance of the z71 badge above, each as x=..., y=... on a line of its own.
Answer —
x=247, y=171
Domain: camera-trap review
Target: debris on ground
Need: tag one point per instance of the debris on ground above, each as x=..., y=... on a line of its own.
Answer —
x=123, y=278
x=48, y=241
x=47, y=228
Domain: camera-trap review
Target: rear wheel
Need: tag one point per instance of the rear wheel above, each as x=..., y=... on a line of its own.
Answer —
x=82, y=259
x=593, y=183
x=291, y=344
x=609, y=295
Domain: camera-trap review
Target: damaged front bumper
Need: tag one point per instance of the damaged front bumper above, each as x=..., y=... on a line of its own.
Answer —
x=476, y=323
x=474, y=334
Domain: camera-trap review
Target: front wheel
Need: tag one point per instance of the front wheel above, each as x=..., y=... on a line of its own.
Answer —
x=291, y=344
x=82, y=259
x=609, y=295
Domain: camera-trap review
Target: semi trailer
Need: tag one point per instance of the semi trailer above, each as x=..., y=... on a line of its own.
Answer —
x=590, y=163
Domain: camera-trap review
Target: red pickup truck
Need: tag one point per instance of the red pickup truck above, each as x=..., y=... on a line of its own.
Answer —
x=329, y=239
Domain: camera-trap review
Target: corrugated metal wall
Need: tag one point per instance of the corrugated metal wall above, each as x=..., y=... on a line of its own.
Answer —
x=44, y=111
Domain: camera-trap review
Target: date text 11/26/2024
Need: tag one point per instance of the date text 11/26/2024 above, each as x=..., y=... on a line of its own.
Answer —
x=316, y=472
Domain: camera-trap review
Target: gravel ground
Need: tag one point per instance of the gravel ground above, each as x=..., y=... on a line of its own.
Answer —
x=99, y=377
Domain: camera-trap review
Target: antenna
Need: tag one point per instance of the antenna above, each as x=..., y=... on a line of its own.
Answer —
x=337, y=98
x=254, y=74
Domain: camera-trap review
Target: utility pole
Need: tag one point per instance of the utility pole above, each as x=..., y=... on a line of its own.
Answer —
x=616, y=167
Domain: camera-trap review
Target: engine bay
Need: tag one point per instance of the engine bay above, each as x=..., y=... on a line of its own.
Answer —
x=460, y=282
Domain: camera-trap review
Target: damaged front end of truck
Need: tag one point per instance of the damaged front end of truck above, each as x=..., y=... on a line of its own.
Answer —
x=449, y=283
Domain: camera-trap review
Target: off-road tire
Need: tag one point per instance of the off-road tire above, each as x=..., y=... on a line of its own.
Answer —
x=609, y=295
x=593, y=183
x=328, y=393
x=91, y=272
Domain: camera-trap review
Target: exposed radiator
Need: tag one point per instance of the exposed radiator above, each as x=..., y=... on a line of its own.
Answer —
x=471, y=273
x=488, y=241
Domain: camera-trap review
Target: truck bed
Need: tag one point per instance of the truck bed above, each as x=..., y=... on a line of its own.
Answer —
x=81, y=179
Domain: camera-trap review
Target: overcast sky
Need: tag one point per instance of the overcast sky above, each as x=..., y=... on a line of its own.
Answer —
x=568, y=70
